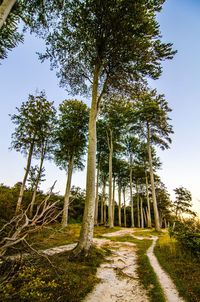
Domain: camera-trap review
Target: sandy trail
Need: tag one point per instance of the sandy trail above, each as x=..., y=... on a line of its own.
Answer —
x=168, y=286
x=119, y=280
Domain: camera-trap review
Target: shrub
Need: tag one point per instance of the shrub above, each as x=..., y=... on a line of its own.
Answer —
x=188, y=234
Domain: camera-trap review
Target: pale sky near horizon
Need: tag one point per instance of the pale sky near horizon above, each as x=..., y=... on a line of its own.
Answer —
x=21, y=73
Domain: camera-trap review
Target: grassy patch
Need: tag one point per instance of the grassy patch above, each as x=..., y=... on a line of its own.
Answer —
x=36, y=280
x=146, y=232
x=145, y=271
x=100, y=230
x=181, y=265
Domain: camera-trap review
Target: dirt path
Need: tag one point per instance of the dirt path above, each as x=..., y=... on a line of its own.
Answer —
x=119, y=281
x=168, y=286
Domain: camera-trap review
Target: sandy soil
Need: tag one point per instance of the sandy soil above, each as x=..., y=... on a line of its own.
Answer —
x=119, y=280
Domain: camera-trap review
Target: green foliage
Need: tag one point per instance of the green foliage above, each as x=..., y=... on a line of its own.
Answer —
x=34, y=124
x=120, y=37
x=187, y=234
x=183, y=202
x=39, y=281
x=71, y=133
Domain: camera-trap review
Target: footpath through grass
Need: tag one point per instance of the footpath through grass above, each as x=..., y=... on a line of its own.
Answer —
x=146, y=274
x=181, y=265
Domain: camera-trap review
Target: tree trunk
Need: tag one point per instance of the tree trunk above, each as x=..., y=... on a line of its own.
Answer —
x=145, y=214
x=97, y=197
x=138, y=206
x=155, y=207
x=124, y=195
x=113, y=201
x=28, y=165
x=141, y=213
x=148, y=202
x=5, y=9
x=110, y=209
x=131, y=194
x=87, y=229
x=119, y=204
x=103, y=202
x=37, y=181
x=67, y=192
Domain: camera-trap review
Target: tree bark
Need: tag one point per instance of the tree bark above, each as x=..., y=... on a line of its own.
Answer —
x=131, y=194
x=119, y=204
x=37, y=181
x=110, y=209
x=141, y=213
x=124, y=195
x=21, y=193
x=113, y=201
x=5, y=9
x=87, y=229
x=155, y=207
x=148, y=203
x=97, y=197
x=67, y=192
x=103, y=202
x=138, y=206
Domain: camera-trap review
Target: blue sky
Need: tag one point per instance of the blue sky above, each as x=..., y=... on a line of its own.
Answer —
x=21, y=73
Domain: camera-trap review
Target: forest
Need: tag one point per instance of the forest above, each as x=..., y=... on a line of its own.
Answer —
x=122, y=229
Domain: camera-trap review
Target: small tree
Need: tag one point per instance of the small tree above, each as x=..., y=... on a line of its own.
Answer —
x=34, y=122
x=70, y=139
x=183, y=202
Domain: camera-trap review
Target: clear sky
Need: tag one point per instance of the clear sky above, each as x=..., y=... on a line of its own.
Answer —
x=21, y=73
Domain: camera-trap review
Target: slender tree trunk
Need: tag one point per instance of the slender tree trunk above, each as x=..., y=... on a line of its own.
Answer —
x=67, y=192
x=87, y=229
x=5, y=9
x=113, y=201
x=119, y=204
x=37, y=181
x=124, y=195
x=145, y=214
x=97, y=197
x=155, y=207
x=27, y=169
x=131, y=193
x=138, y=206
x=110, y=209
x=148, y=202
x=103, y=202
x=141, y=212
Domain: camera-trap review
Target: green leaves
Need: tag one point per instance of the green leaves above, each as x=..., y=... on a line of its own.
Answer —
x=71, y=133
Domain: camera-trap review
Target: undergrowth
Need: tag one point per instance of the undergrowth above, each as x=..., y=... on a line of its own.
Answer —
x=182, y=266
x=39, y=281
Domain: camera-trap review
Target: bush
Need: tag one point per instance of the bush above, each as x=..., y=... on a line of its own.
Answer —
x=187, y=234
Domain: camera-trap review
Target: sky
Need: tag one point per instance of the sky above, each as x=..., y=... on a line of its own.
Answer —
x=22, y=73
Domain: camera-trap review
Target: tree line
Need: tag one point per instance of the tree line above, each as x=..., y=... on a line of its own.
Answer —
x=106, y=50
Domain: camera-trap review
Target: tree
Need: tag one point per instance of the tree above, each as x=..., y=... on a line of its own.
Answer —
x=101, y=44
x=70, y=139
x=183, y=202
x=153, y=119
x=34, y=122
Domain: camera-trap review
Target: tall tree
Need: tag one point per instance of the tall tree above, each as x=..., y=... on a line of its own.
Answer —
x=101, y=44
x=71, y=139
x=34, y=122
x=153, y=118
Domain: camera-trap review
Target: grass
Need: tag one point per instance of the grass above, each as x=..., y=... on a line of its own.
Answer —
x=39, y=281
x=181, y=265
x=147, y=276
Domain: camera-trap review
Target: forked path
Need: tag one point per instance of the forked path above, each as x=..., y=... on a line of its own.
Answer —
x=119, y=280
